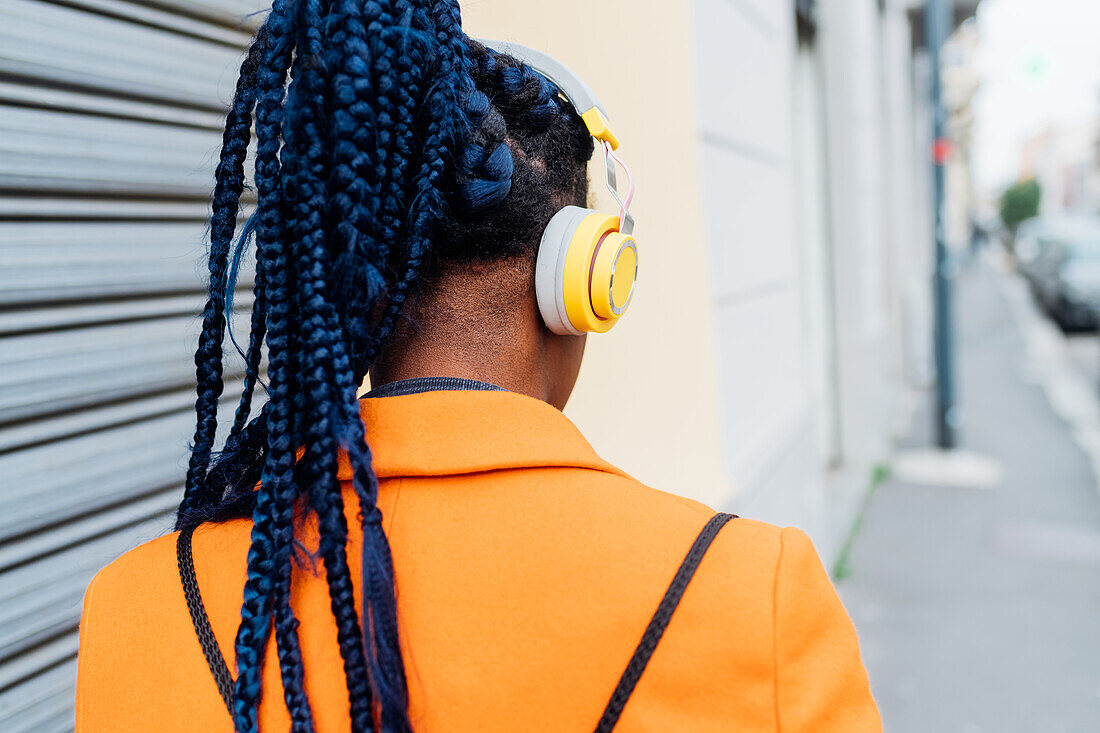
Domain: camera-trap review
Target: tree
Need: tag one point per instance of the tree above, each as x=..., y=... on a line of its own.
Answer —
x=1020, y=202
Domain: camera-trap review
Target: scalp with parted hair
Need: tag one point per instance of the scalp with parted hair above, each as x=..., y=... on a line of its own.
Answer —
x=387, y=143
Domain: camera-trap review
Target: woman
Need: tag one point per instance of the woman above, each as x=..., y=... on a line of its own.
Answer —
x=447, y=553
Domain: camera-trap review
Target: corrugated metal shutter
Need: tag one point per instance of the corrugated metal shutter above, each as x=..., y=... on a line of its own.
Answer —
x=110, y=118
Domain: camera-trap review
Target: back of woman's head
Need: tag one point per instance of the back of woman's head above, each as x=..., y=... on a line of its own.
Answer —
x=387, y=144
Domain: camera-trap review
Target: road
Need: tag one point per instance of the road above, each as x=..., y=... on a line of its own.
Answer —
x=1084, y=350
x=978, y=609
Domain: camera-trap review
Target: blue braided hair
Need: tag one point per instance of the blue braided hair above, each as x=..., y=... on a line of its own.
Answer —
x=388, y=144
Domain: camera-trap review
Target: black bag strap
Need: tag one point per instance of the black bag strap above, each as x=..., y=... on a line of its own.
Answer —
x=629, y=680
x=201, y=621
x=659, y=622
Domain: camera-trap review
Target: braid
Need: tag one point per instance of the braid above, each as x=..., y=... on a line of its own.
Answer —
x=257, y=331
x=257, y=604
x=524, y=97
x=226, y=204
x=485, y=165
x=446, y=131
x=393, y=143
x=322, y=340
x=303, y=167
x=503, y=196
x=352, y=208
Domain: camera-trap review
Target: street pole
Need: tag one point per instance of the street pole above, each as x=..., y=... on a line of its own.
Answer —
x=936, y=19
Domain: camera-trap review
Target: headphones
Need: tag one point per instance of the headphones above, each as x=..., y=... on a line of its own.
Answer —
x=587, y=261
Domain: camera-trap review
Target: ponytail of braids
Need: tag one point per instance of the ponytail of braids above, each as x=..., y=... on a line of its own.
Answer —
x=385, y=138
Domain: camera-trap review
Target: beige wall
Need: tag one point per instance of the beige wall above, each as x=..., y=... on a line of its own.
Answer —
x=647, y=397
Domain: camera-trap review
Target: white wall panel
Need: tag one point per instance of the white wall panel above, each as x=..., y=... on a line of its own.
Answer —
x=744, y=53
x=744, y=74
x=749, y=228
x=771, y=16
x=761, y=363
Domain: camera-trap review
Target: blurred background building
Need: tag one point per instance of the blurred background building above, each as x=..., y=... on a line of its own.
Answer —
x=777, y=349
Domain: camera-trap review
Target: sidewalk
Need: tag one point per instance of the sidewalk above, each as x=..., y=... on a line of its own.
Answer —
x=979, y=609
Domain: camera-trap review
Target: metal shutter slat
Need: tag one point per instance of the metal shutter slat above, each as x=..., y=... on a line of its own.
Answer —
x=47, y=595
x=62, y=209
x=64, y=100
x=41, y=704
x=63, y=45
x=228, y=30
x=69, y=316
x=70, y=478
x=44, y=656
x=78, y=422
x=52, y=261
x=85, y=528
x=233, y=13
x=94, y=365
x=110, y=127
x=49, y=151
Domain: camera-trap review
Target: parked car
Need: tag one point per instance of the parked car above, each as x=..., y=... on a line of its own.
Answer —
x=1060, y=256
x=1034, y=234
x=1024, y=245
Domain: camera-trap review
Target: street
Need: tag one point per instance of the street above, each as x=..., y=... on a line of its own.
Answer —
x=1084, y=350
x=978, y=608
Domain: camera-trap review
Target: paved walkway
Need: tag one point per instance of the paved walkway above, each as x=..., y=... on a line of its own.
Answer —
x=979, y=609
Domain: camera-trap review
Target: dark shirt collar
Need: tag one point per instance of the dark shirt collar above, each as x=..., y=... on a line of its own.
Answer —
x=417, y=385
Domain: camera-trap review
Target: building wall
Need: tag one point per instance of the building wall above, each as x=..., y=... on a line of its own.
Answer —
x=807, y=191
x=647, y=394
x=745, y=54
x=908, y=202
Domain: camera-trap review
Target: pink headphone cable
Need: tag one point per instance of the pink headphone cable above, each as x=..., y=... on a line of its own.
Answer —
x=624, y=204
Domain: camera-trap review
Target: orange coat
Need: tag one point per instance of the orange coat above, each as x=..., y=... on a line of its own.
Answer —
x=527, y=569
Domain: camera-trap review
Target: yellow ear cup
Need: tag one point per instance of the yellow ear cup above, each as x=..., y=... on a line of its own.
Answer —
x=599, y=273
x=614, y=270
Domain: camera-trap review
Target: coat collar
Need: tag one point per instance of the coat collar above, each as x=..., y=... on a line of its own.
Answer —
x=442, y=433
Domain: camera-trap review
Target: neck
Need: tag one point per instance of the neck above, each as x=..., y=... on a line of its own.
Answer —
x=431, y=353
x=477, y=321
